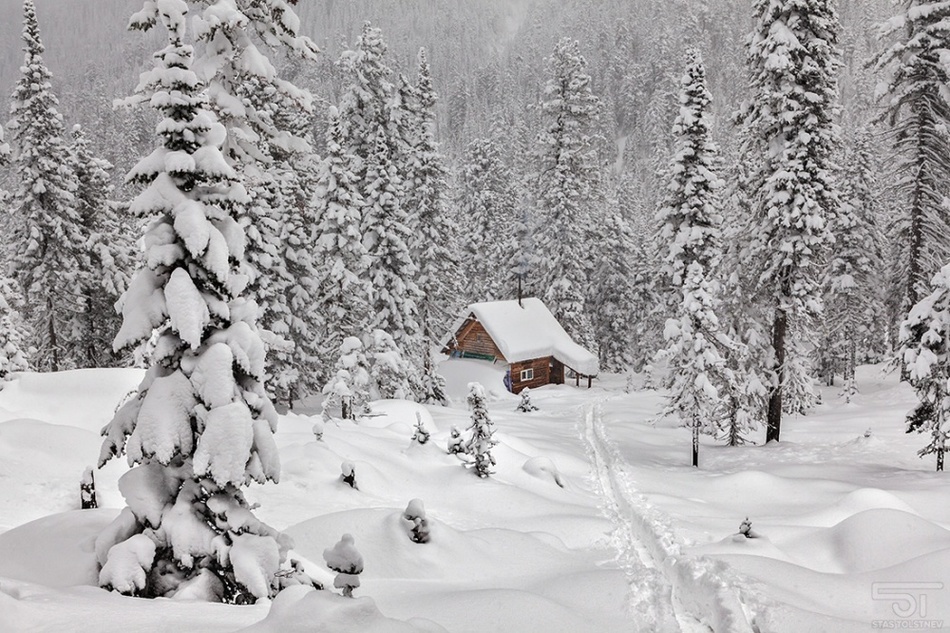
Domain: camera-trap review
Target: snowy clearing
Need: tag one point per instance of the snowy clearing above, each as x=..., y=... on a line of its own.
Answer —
x=635, y=540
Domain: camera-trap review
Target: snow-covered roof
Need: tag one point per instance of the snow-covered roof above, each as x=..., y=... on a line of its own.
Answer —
x=527, y=331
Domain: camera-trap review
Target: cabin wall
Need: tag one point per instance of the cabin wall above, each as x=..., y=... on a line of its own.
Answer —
x=542, y=374
x=474, y=339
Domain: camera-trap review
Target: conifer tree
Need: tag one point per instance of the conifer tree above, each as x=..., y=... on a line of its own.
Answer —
x=345, y=295
x=852, y=300
x=434, y=240
x=917, y=109
x=106, y=251
x=568, y=188
x=270, y=155
x=13, y=353
x=691, y=220
x=487, y=203
x=925, y=352
x=49, y=234
x=201, y=425
x=481, y=433
x=790, y=139
x=615, y=294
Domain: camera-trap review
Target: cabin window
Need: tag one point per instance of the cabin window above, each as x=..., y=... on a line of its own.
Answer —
x=527, y=374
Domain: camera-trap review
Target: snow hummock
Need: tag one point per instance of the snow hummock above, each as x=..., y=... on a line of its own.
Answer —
x=525, y=330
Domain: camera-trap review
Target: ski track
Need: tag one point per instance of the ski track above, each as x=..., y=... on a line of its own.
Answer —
x=669, y=592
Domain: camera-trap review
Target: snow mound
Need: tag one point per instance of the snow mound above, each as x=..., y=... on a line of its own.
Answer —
x=853, y=503
x=300, y=609
x=543, y=468
x=84, y=398
x=459, y=372
x=870, y=540
x=55, y=551
x=450, y=554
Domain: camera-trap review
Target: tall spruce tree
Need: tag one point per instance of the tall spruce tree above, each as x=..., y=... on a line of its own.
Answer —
x=790, y=138
x=13, y=352
x=49, y=234
x=568, y=187
x=434, y=241
x=853, y=306
x=201, y=426
x=917, y=109
x=270, y=153
x=691, y=218
x=345, y=295
x=487, y=204
x=925, y=352
x=106, y=251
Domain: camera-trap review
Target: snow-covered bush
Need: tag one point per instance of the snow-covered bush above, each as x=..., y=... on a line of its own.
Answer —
x=414, y=518
x=348, y=474
x=456, y=442
x=87, y=491
x=349, y=387
x=526, y=406
x=421, y=435
x=317, y=429
x=347, y=562
x=480, y=441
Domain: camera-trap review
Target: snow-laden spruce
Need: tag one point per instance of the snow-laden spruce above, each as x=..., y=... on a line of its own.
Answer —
x=107, y=254
x=13, y=351
x=568, y=188
x=789, y=139
x=201, y=426
x=854, y=321
x=267, y=146
x=925, y=353
x=486, y=199
x=434, y=241
x=480, y=439
x=915, y=93
x=691, y=220
x=49, y=235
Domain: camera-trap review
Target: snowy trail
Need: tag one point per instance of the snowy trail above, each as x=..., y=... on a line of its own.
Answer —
x=669, y=591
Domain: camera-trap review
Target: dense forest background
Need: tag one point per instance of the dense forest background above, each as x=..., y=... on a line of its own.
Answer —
x=487, y=59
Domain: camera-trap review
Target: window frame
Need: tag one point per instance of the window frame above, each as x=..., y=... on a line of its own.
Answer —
x=527, y=374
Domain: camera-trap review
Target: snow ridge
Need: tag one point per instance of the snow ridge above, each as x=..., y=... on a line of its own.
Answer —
x=688, y=593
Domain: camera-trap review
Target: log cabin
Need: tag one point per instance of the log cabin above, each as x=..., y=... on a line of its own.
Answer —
x=526, y=337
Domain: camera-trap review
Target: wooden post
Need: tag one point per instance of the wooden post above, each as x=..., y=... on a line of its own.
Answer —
x=590, y=381
x=577, y=379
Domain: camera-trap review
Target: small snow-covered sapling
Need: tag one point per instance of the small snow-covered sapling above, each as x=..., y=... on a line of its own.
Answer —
x=745, y=529
x=526, y=406
x=347, y=562
x=416, y=522
x=480, y=440
x=456, y=442
x=349, y=474
x=87, y=490
x=318, y=428
x=421, y=435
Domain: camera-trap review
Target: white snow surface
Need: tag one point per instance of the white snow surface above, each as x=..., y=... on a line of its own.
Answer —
x=636, y=540
x=527, y=330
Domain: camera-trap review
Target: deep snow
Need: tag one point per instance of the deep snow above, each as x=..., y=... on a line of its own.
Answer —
x=635, y=539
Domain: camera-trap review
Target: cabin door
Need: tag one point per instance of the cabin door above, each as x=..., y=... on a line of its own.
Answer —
x=557, y=372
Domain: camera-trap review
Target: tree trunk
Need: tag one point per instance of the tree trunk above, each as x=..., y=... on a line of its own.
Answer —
x=696, y=445
x=51, y=330
x=939, y=459
x=779, y=327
